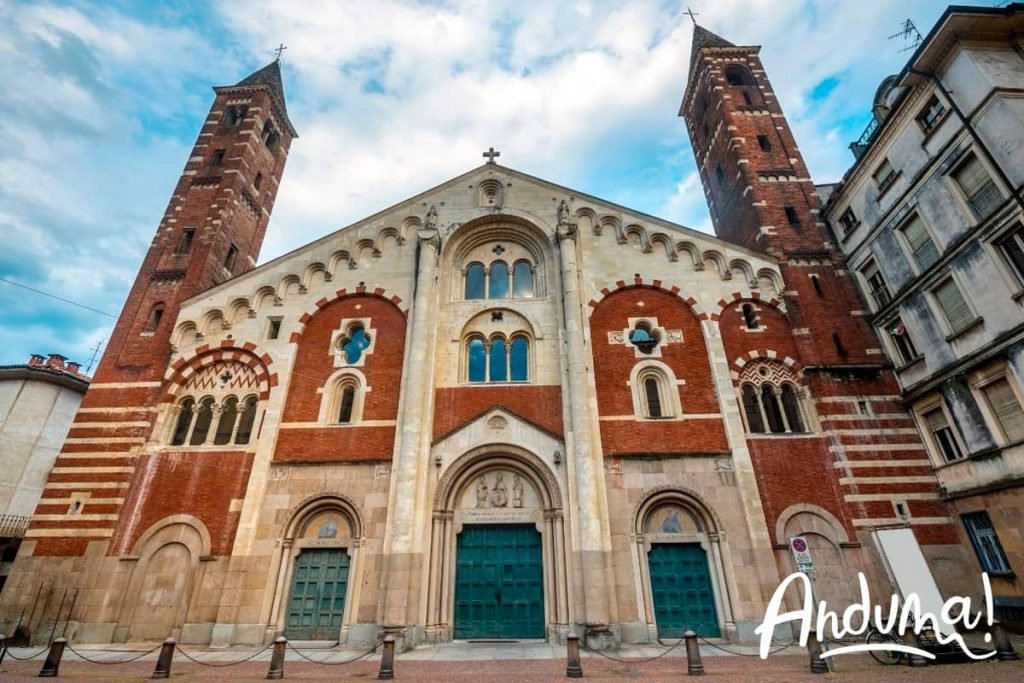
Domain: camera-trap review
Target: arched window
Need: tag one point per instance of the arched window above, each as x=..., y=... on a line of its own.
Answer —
x=477, y=360
x=652, y=392
x=522, y=280
x=348, y=402
x=156, y=314
x=475, y=285
x=499, y=361
x=750, y=317
x=246, y=421
x=520, y=359
x=498, y=288
x=738, y=75
x=269, y=136
x=204, y=418
x=772, y=412
x=752, y=409
x=644, y=337
x=185, y=414
x=226, y=423
x=354, y=343
x=791, y=407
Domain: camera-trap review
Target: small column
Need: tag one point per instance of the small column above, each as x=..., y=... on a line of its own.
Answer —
x=163, y=663
x=276, y=669
x=387, y=659
x=572, y=656
x=694, y=664
x=51, y=667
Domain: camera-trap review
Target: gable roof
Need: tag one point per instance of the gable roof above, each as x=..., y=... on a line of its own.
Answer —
x=269, y=78
x=704, y=38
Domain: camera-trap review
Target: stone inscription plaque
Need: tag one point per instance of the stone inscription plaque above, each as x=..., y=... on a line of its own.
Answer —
x=498, y=515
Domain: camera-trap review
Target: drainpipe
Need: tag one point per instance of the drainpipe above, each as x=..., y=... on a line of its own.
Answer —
x=973, y=133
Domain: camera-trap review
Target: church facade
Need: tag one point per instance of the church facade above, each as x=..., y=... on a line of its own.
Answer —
x=502, y=408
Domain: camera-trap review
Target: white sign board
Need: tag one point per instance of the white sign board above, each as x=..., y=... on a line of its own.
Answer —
x=910, y=570
x=801, y=554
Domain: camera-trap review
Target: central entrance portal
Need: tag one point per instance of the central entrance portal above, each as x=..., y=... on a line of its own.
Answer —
x=499, y=583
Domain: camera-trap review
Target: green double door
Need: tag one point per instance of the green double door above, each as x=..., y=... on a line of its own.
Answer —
x=499, y=582
x=317, y=602
x=681, y=588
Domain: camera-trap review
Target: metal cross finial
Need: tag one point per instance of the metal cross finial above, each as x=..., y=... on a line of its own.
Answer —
x=693, y=15
x=279, y=49
x=490, y=154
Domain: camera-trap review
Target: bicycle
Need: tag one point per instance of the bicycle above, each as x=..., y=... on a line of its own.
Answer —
x=924, y=640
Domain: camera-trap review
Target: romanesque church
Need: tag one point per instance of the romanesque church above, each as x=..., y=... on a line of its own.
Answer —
x=500, y=409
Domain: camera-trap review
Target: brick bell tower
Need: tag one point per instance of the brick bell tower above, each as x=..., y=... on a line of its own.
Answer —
x=761, y=196
x=211, y=231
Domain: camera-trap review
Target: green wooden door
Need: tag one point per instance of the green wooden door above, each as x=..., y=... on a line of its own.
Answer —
x=681, y=588
x=499, y=582
x=318, y=595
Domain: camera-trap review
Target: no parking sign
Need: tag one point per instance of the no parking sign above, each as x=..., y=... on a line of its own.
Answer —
x=801, y=554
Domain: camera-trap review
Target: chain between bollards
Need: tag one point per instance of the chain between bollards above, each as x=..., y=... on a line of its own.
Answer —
x=1001, y=640
x=276, y=669
x=694, y=665
x=818, y=665
x=572, y=656
x=51, y=667
x=387, y=659
x=163, y=662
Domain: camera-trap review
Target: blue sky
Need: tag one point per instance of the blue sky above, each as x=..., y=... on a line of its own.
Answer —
x=103, y=101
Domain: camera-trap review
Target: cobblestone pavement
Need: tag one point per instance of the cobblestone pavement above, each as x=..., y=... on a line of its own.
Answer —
x=492, y=663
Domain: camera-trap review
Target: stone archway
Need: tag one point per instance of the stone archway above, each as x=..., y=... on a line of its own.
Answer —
x=498, y=512
x=678, y=555
x=835, y=561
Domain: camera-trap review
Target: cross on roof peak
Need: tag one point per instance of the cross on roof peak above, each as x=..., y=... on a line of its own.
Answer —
x=693, y=15
x=490, y=154
x=279, y=49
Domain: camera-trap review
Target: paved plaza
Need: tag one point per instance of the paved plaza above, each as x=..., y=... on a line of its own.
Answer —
x=488, y=662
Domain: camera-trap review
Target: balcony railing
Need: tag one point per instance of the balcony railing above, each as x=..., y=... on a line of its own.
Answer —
x=13, y=526
x=864, y=140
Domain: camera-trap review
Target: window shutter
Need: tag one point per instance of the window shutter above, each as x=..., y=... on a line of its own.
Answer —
x=921, y=243
x=971, y=177
x=953, y=305
x=1008, y=411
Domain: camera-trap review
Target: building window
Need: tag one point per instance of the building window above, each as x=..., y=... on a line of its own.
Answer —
x=498, y=280
x=791, y=215
x=750, y=317
x=652, y=393
x=185, y=243
x=980, y=191
x=764, y=143
x=348, y=401
x=986, y=543
x=477, y=360
x=226, y=422
x=1002, y=401
x=269, y=136
x=519, y=359
x=475, y=281
x=653, y=389
x=522, y=280
x=738, y=75
x=498, y=366
x=233, y=116
x=884, y=176
x=943, y=438
x=231, y=257
x=876, y=285
x=156, y=314
x=848, y=221
x=246, y=421
x=719, y=174
x=746, y=98
x=217, y=159
x=352, y=345
x=771, y=400
x=201, y=422
x=932, y=113
x=494, y=282
x=257, y=182
x=186, y=411
x=905, y=348
x=644, y=337
x=921, y=244
x=273, y=328
x=816, y=282
x=954, y=306
x=1011, y=245
x=498, y=360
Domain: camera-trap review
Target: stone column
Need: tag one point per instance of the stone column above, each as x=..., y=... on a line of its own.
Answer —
x=592, y=513
x=403, y=553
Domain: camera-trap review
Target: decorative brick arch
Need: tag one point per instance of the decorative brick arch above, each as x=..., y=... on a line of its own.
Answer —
x=754, y=297
x=658, y=285
x=378, y=292
x=767, y=354
x=183, y=369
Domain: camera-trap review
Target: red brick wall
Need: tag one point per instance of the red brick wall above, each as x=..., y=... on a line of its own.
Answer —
x=613, y=364
x=314, y=365
x=455, y=406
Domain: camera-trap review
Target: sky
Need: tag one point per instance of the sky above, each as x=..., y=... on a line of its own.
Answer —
x=103, y=101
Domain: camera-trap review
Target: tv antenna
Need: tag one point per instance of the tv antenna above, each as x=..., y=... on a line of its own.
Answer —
x=95, y=352
x=910, y=35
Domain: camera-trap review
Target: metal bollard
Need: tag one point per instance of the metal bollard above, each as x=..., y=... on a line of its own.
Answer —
x=916, y=660
x=52, y=664
x=572, y=656
x=818, y=665
x=163, y=662
x=387, y=659
x=694, y=665
x=1001, y=640
x=3, y=648
x=276, y=669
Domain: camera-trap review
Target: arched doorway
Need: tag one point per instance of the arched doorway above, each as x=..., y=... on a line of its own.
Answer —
x=834, y=576
x=318, y=570
x=497, y=568
x=681, y=569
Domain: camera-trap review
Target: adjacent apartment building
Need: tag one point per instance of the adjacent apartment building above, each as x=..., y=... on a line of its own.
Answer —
x=930, y=218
